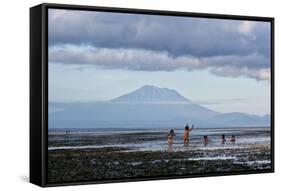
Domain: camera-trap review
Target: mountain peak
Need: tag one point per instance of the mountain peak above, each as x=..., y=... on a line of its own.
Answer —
x=150, y=87
x=149, y=93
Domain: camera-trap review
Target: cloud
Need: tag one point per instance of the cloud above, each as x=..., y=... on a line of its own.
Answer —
x=246, y=27
x=227, y=71
x=131, y=59
x=223, y=101
x=138, y=42
x=176, y=35
x=251, y=66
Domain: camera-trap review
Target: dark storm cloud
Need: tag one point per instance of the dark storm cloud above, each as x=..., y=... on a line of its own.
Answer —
x=176, y=35
x=157, y=43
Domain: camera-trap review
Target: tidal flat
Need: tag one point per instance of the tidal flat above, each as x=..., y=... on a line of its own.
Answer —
x=102, y=156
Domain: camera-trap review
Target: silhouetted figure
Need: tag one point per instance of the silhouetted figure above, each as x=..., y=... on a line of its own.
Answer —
x=206, y=140
x=223, y=139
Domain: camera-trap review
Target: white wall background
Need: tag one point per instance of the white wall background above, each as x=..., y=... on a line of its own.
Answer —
x=14, y=94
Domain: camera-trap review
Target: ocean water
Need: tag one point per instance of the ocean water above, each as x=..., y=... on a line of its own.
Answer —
x=156, y=139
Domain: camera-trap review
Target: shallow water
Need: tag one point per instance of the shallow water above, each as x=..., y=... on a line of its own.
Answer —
x=155, y=139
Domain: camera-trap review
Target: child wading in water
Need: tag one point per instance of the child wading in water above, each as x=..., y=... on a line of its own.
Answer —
x=206, y=140
x=223, y=139
x=187, y=130
x=171, y=136
x=232, y=139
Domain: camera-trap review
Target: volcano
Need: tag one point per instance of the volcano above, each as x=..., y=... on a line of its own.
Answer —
x=146, y=107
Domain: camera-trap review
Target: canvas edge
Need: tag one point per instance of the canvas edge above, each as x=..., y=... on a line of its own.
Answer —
x=35, y=131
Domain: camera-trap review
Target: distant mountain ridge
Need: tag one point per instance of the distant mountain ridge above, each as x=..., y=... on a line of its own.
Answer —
x=152, y=94
x=146, y=107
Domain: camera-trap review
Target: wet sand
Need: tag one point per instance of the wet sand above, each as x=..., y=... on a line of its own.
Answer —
x=67, y=162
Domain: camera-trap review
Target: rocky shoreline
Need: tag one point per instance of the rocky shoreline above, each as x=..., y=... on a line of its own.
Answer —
x=115, y=162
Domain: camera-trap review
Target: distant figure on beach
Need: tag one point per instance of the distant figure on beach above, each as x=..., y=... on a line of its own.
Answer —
x=206, y=140
x=223, y=139
x=232, y=139
x=187, y=130
x=171, y=136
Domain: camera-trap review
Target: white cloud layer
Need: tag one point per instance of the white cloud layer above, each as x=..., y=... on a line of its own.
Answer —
x=251, y=66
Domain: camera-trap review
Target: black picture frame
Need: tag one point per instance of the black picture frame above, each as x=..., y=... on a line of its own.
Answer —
x=39, y=89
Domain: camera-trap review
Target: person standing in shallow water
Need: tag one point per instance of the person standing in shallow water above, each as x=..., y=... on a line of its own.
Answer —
x=232, y=139
x=171, y=136
x=206, y=140
x=223, y=139
x=187, y=130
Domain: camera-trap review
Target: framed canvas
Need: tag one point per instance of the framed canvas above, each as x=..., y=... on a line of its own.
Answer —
x=128, y=94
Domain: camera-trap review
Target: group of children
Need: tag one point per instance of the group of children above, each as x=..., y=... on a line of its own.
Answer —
x=187, y=130
x=223, y=140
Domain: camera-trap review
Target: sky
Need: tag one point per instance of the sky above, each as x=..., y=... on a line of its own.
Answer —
x=221, y=64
